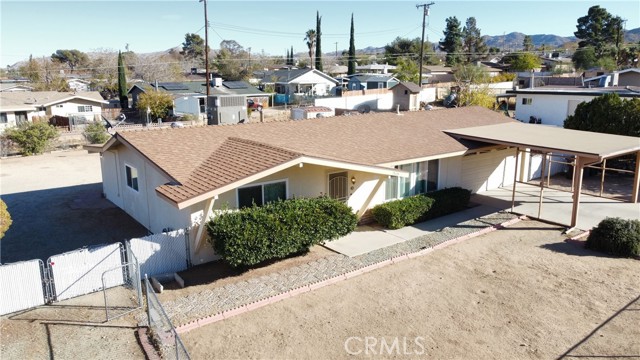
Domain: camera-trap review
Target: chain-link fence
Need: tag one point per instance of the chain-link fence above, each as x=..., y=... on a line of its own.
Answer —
x=170, y=344
x=123, y=299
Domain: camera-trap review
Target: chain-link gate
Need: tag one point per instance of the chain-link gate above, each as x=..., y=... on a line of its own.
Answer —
x=171, y=345
x=123, y=299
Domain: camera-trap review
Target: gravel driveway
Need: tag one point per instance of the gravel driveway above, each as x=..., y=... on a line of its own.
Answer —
x=55, y=201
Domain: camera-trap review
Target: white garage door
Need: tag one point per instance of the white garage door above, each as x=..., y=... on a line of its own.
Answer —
x=487, y=171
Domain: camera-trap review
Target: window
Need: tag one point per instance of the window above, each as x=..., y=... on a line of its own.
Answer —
x=262, y=193
x=423, y=178
x=3, y=118
x=203, y=109
x=21, y=117
x=85, y=108
x=527, y=101
x=132, y=177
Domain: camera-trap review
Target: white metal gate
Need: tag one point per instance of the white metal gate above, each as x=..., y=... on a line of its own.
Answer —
x=80, y=272
x=162, y=253
x=338, y=186
x=21, y=286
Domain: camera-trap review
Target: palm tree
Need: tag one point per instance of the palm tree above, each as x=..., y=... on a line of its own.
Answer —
x=310, y=38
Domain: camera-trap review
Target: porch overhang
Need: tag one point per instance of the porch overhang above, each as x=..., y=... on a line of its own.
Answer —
x=587, y=147
x=373, y=169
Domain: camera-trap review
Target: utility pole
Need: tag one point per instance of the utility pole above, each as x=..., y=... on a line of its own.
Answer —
x=425, y=13
x=206, y=57
x=336, y=51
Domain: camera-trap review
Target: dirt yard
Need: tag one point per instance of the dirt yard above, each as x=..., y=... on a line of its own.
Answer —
x=71, y=329
x=520, y=292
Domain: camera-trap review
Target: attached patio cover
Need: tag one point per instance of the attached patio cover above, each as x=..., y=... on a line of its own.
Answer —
x=588, y=148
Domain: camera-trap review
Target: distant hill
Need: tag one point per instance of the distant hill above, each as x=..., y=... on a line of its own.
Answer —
x=514, y=40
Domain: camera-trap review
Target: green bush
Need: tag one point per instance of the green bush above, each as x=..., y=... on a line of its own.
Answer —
x=447, y=201
x=96, y=133
x=276, y=230
x=616, y=236
x=5, y=219
x=32, y=138
x=399, y=213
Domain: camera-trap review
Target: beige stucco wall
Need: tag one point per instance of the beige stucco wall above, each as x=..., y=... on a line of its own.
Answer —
x=71, y=107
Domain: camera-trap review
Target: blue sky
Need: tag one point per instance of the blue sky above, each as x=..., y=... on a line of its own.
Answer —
x=41, y=27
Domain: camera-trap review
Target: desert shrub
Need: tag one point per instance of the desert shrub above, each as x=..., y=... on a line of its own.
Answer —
x=447, y=201
x=399, y=213
x=5, y=219
x=276, y=230
x=616, y=236
x=96, y=133
x=32, y=138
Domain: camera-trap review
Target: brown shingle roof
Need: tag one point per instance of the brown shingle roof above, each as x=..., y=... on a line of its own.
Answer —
x=204, y=158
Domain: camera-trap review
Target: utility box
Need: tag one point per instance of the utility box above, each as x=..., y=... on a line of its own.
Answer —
x=227, y=110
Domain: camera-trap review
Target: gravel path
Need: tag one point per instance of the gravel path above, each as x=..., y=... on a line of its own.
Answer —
x=215, y=300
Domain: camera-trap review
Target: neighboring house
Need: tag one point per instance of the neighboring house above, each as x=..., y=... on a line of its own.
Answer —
x=406, y=96
x=371, y=81
x=557, y=64
x=15, y=87
x=361, y=160
x=434, y=74
x=376, y=69
x=336, y=71
x=20, y=107
x=78, y=84
x=489, y=68
x=552, y=104
x=228, y=99
x=627, y=77
x=306, y=81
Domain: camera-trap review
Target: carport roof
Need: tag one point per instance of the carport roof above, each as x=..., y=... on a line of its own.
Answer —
x=552, y=139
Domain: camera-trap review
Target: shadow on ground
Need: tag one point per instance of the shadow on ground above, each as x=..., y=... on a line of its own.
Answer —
x=54, y=221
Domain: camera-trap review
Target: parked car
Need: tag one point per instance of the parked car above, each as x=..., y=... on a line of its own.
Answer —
x=254, y=105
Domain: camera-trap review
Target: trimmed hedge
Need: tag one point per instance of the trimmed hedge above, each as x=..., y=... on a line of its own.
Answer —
x=399, y=213
x=616, y=236
x=276, y=230
x=447, y=201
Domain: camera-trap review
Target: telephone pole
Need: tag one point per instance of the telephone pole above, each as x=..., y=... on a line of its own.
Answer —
x=425, y=13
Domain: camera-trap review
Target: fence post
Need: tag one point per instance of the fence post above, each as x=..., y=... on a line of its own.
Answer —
x=188, y=247
x=146, y=289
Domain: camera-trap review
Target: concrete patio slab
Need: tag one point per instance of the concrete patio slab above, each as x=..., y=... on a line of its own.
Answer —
x=369, y=238
x=557, y=204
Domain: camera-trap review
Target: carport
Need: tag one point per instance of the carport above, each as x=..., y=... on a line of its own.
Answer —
x=587, y=148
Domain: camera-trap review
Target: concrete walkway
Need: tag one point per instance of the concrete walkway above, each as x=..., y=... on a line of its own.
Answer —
x=557, y=205
x=369, y=238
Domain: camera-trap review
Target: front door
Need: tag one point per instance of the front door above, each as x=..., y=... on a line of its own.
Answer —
x=338, y=186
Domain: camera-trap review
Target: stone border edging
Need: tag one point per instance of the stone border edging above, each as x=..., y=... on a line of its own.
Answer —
x=147, y=348
x=348, y=275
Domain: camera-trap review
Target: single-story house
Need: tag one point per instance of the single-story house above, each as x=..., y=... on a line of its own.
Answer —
x=552, y=104
x=228, y=99
x=76, y=84
x=627, y=77
x=376, y=68
x=19, y=107
x=405, y=96
x=293, y=81
x=371, y=81
x=11, y=87
x=434, y=74
x=362, y=160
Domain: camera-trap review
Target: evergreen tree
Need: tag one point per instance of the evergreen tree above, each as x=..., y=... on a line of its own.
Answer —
x=286, y=60
x=473, y=45
x=122, y=83
x=318, y=47
x=452, y=43
x=352, y=51
x=291, y=60
x=601, y=31
x=527, y=43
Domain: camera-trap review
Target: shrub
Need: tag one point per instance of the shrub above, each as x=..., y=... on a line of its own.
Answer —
x=447, y=201
x=96, y=133
x=5, y=219
x=32, y=138
x=276, y=230
x=399, y=213
x=616, y=236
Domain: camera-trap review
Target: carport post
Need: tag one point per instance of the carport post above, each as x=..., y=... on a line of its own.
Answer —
x=636, y=180
x=578, y=171
x=515, y=180
x=200, y=233
x=542, y=169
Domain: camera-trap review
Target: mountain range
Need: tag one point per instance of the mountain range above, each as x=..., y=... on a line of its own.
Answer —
x=514, y=40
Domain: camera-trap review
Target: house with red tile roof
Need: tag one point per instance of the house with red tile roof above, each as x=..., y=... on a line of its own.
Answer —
x=176, y=177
